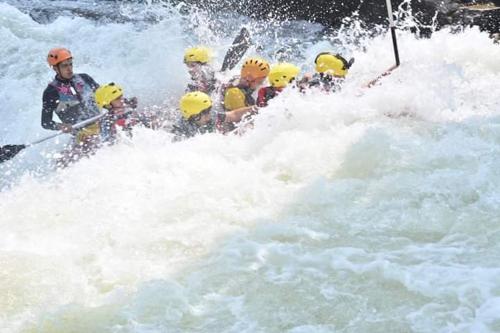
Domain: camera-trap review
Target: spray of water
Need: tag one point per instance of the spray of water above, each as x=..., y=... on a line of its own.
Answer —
x=367, y=210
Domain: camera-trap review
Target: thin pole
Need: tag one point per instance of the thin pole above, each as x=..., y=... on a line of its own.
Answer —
x=76, y=126
x=393, y=31
x=9, y=151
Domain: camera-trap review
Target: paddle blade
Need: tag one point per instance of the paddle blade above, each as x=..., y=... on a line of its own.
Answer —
x=240, y=45
x=9, y=151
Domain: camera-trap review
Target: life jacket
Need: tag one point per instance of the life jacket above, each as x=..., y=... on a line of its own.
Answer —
x=236, y=96
x=76, y=99
x=88, y=134
x=75, y=104
x=114, y=122
x=266, y=94
x=184, y=129
x=203, y=81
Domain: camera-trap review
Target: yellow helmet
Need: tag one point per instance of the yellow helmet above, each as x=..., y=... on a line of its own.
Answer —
x=333, y=64
x=194, y=103
x=234, y=98
x=257, y=68
x=197, y=54
x=104, y=95
x=282, y=74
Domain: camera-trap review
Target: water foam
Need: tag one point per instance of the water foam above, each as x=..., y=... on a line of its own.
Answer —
x=367, y=210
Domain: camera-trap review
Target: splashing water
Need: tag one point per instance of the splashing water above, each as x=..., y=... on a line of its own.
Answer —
x=369, y=210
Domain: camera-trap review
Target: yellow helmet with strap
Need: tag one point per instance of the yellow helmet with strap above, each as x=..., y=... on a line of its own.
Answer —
x=104, y=95
x=332, y=64
x=282, y=74
x=197, y=54
x=194, y=103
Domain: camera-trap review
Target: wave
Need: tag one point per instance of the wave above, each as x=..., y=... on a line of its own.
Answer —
x=370, y=209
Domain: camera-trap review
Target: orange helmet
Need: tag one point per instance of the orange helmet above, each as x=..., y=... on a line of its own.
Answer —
x=257, y=68
x=57, y=55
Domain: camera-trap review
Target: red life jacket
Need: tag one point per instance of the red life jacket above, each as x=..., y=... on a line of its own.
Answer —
x=266, y=94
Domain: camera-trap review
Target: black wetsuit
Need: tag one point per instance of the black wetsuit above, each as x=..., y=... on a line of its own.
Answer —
x=184, y=129
x=326, y=82
x=204, y=81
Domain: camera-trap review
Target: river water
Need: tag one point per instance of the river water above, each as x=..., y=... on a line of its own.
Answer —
x=369, y=210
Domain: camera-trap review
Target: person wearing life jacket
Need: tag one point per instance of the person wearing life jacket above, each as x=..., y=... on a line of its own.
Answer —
x=279, y=77
x=199, y=117
x=331, y=70
x=120, y=115
x=197, y=60
x=196, y=118
x=71, y=97
x=238, y=94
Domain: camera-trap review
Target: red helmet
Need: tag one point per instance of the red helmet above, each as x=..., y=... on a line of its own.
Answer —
x=58, y=55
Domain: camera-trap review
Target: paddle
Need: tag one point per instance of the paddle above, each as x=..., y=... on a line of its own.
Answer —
x=394, y=46
x=374, y=81
x=393, y=31
x=240, y=45
x=9, y=151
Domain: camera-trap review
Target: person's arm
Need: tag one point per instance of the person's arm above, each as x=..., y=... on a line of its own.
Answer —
x=374, y=81
x=236, y=115
x=305, y=82
x=49, y=105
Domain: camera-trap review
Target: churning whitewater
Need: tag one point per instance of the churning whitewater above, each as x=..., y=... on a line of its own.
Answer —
x=368, y=210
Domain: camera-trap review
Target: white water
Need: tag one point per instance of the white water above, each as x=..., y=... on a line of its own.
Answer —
x=365, y=211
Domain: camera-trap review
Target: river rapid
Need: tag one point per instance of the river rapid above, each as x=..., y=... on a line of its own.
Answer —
x=368, y=210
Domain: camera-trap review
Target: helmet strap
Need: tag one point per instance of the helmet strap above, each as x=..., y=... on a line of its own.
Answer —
x=57, y=70
x=345, y=64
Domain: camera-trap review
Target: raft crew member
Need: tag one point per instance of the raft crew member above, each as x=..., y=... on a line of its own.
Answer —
x=279, y=77
x=238, y=94
x=71, y=97
x=110, y=97
x=199, y=118
x=331, y=70
x=195, y=108
x=197, y=60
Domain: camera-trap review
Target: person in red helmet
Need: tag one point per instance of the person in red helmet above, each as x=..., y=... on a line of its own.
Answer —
x=71, y=97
